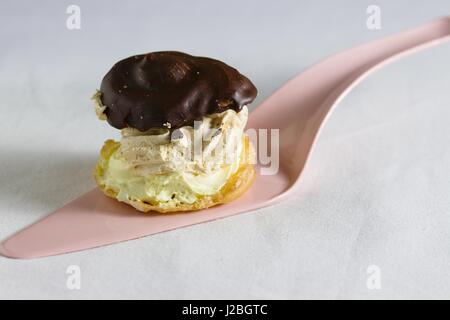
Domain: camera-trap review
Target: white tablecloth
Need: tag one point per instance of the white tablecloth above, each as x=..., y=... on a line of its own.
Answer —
x=375, y=191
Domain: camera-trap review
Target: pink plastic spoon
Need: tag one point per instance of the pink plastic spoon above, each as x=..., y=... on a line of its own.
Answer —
x=298, y=110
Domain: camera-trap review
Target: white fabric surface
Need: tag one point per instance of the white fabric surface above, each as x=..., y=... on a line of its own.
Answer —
x=375, y=191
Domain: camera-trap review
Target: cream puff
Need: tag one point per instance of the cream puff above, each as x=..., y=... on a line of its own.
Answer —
x=182, y=121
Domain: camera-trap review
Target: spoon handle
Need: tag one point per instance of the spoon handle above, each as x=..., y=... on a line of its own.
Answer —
x=300, y=107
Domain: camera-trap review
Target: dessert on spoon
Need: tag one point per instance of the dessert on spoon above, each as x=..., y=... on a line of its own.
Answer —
x=182, y=121
x=298, y=109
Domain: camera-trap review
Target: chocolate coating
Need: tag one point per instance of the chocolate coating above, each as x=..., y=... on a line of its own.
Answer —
x=168, y=87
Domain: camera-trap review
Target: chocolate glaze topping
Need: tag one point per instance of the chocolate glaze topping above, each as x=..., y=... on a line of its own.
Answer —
x=171, y=89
